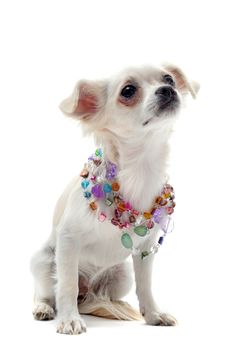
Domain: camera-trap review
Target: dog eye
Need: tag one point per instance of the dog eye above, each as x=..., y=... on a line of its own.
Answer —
x=168, y=80
x=128, y=91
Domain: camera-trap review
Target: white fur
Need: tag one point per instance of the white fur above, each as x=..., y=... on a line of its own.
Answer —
x=79, y=245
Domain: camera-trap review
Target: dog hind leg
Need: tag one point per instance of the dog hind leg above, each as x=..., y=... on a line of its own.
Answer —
x=106, y=290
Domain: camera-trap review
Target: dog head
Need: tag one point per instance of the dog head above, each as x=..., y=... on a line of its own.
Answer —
x=132, y=103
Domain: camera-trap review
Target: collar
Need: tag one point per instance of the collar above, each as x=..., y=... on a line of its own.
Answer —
x=102, y=192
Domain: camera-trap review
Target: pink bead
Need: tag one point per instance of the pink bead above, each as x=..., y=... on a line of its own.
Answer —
x=150, y=224
x=102, y=217
x=169, y=210
x=128, y=206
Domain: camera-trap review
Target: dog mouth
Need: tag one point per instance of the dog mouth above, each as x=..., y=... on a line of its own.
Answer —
x=170, y=105
x=164, y=108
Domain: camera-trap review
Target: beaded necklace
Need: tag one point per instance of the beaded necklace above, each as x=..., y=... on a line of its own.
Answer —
x=102, y=191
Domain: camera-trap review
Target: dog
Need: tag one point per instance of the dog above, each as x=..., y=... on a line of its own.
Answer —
x=118, y=206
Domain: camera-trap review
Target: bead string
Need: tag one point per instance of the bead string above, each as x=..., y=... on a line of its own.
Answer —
x=102, y=191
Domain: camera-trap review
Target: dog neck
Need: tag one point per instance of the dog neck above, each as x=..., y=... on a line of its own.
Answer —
x=142, y=164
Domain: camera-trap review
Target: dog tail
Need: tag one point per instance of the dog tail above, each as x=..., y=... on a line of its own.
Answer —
x=115, y=310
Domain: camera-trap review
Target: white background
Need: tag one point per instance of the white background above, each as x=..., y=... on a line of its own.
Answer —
x=46, y=46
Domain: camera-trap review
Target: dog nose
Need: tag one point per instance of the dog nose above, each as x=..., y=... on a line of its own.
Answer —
x=166, y=92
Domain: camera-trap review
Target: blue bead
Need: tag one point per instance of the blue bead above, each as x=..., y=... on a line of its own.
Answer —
x=87, y=194
x=161, y=240
x=85, y=184
x=107, y=188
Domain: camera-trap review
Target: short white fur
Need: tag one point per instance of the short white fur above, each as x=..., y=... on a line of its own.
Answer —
x=82, y=248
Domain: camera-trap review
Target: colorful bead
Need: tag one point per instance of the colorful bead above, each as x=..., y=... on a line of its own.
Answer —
x=144, y=254
x=102, y=217
x=169, y=210
x=155, y=248
x=167, y=188
x=85, y=184
x=115, y=186
x=150, y=224
x=132, y=219
x=87, y=194
x=161, y=240
x=107, y=188
x=164, y=202
x=97, y=191
x=158, y=215
x=108, y=202
x=153, y=210
x=104, y=186
x=140, y=219
x=128, y=206
x=99, y=152
x=111, y=171
x=84, y=173
x=117, y=213
x=115, y=221
x=147, y=215
x=167, y=224
x=93, y=205
x=126, y=241
x=117, y=200
x=158, y=200
x=121, y=206
x=140, y=230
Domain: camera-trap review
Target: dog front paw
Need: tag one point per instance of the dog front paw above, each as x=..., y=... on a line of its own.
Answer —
x=71, y=325
x=43, y=312
x=160, y=319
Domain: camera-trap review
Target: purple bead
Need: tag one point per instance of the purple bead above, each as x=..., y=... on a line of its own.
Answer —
x=158, y=215
x=161, y=240
x=97, y=191
x=111, y=171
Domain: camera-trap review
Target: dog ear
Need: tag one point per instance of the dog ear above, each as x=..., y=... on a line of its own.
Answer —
x=86, y=100
x=183, y=84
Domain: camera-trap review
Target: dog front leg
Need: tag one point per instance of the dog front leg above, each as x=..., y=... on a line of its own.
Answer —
x=69, y=320
x=148, y=307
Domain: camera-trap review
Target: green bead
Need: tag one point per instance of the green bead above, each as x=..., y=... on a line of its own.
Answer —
x=141, y=230
x=126, y=241
x=144, y=254
x=98, y=152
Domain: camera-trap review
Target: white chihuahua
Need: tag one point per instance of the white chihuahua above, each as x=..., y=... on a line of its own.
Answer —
x=120, y=204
